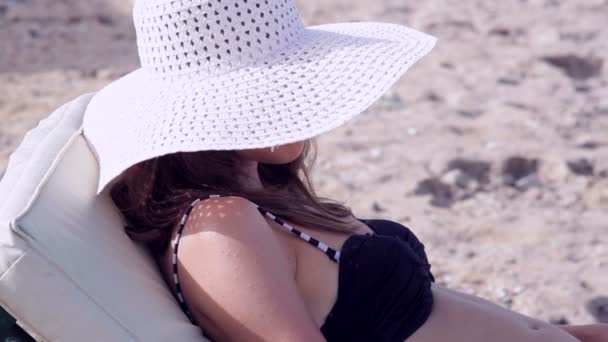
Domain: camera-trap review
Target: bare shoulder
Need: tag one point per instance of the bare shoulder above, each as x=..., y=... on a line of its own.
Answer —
x=233, y=274
x=224, y=214
x=226, y=223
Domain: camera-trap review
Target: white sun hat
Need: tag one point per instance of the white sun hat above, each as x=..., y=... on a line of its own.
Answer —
x=240, y=74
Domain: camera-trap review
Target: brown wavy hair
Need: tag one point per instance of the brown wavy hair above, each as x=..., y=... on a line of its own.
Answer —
x=153, y=194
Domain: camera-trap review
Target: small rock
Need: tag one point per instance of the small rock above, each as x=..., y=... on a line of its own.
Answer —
x=377, y=208
x=554, y=169
x=444, y=280
x=72, y=20
x=520, y=106
x=590, y=145
x=451, y=177
x=504, y=296
x=405, y=219
x=581, y=167
x=572, y=258
x=598, y=307
x=89, y=73
x=34, y=34
x=582, y=88
x=461, y=179
x=447, y=65
x=391, y=102
x=558, y=319
x=353, y=186
x=119, y=36
x=461, y=24
x=500, y=292
x=478, y=170
x=508, y=301
x=531, y=181
x=500, y=31
x=433, y=97
x=464, y=185
x=507, y=32
x=442, y=194
x=578, y=68
x=601, y=107
x=459, y=130
x=469, y=113
x=520, y=172
x=105, y=20
x=385, y=178
x=585, y=285
x=508, y=81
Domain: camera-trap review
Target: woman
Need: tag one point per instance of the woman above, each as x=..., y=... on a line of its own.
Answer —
x=248, y=249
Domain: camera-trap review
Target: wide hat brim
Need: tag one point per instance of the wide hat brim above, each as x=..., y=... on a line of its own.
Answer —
x=331, y=74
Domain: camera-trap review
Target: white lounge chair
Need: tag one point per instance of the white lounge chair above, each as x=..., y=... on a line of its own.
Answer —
x=68, y=272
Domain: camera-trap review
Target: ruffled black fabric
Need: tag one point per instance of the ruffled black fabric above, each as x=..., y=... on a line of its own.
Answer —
x=384, y=287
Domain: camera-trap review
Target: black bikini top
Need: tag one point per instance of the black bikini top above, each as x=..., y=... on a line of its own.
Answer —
x=384, y=281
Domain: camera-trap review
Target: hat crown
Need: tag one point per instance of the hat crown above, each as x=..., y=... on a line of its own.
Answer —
x=212, y=36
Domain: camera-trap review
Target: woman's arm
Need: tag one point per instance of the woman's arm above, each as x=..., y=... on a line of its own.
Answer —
x=459, y=317
x=585, y=333
x=236, y=277
x=588, y=333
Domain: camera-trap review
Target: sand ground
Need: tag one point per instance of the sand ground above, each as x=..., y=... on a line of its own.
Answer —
x=494, y=149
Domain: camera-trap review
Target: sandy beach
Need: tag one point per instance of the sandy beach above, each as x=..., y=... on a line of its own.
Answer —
x=493, y=149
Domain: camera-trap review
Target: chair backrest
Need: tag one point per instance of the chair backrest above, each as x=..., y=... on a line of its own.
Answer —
x=68, y=272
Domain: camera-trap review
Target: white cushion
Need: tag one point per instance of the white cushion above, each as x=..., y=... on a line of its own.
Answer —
x=68, y=272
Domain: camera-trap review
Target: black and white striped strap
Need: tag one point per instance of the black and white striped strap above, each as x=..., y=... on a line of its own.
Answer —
x=333, y=254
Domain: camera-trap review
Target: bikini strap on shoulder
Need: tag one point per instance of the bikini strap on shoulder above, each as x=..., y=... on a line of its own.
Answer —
x=333, y=254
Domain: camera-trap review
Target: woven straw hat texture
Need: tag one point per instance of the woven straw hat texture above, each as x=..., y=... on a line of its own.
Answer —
x=240, y=74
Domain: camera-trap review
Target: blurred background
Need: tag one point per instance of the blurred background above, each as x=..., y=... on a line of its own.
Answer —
x=493, y=149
